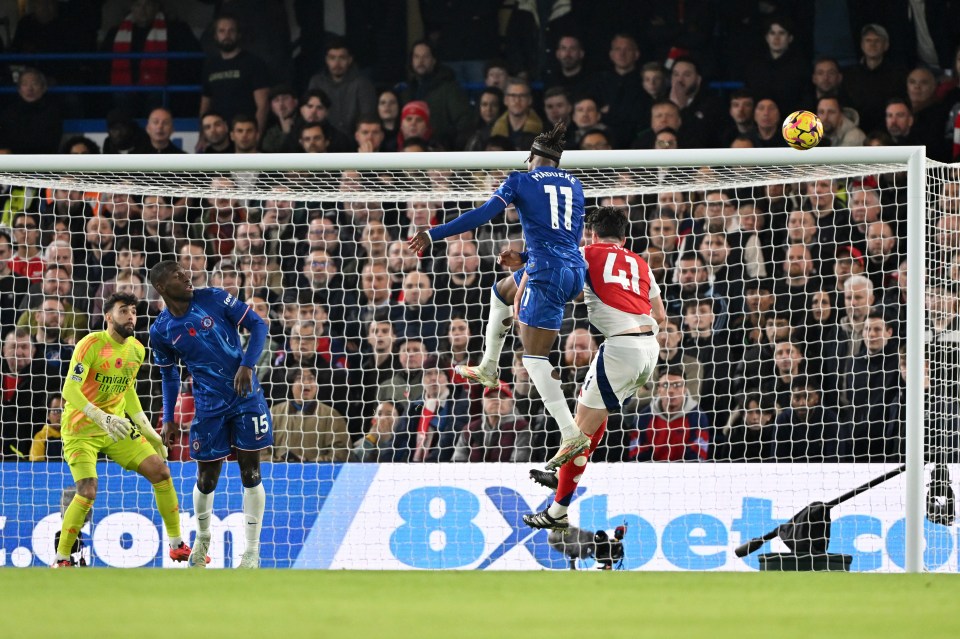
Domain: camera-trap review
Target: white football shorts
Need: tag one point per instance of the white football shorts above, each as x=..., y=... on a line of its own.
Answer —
x=623, y=364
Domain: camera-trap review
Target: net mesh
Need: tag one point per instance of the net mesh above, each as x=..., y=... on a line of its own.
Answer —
x=785, y=294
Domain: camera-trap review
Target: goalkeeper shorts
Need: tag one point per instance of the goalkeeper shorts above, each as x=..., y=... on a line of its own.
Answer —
x=623, y=364
x=81, y=453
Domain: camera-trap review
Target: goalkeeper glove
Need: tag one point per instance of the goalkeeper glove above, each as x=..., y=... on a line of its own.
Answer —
x=140, y=419
x=116, y=427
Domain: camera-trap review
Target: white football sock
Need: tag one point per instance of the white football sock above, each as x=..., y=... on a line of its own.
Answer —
x=541, y=374
x=556, y=510
x=254, y=502
x=202, y=508
x=496, y=332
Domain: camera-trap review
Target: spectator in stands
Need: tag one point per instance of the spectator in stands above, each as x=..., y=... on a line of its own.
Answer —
x=375, y=293
x=654, y=80
x=822, y=341
x=305, y=429
x=313, y=138
x=703, y=114
x=883, y=255
x=147, y=29
x=662, y=233
x=805, y=430
x=756, y=363
x=458, y=348
x=125, y=211
x=282, y=119
x=377, y=444
x=214, y=134
x=710, y=346
x=876, y=79
x=499, y=434
x=310, y=346
x=748, y=436
x=489, y=109
x=54, y=339
x=32, y=122
x=234, y=80
x=434, y=84
x=26, y=384
x=414, y=316
x=99, y=258
x=827, y=81
x=568, y=72
x=663, y=115
x=849, y=261
x=158, y=229
x=833, y=220
x=599, y=140
x=496, y=72
x=463, y=285
x=124, y=135
x=670, y=428
x=248, y=240
x=724, y=266
x=219, y=218
x=400, y=261
x=79, y=145
x=244, y=134
x=766, y=115
x=620, y=90
x=13, y=287
x=258, y=278
x=798, y=279
x=388, y=110
x=783, y=73
x=690, y=282
x=58, y=256
x=586, y=116
x=839, y=124
x=929, y=113
x=899, y=122
x=789, y=362
x=414, y=123
x=351, y=94
x=520, y=123
x=405, y=385
x=579, y=348
x=193, y=258
x=47, y=444
x=741, y=113
x=433, y=420
x=371, y=368
x=670, y=338
x=368, y=134
x=557, y=106
x=858, y=301
x=873, y=385
x=24, y=241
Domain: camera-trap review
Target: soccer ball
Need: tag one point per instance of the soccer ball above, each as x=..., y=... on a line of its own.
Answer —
x=802, y=130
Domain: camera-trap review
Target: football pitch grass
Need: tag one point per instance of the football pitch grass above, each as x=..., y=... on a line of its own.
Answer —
x=179, y=604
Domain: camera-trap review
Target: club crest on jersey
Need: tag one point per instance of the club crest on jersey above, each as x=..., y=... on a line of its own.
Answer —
x=206, y=322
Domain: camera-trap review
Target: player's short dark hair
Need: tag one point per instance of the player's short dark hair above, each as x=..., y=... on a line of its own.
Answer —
x=608, y=221
x=124, y=299
x=549, y=144
x=161, y=271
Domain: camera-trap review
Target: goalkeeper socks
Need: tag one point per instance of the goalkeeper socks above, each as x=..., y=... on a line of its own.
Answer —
x=73, y=520
x=570, y=474
x=541, y=374
x=169, y=509
x=254, y=501
x=496, y=332
x=202, y=507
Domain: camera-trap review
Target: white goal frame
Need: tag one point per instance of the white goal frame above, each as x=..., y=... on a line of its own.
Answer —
x=913, y=158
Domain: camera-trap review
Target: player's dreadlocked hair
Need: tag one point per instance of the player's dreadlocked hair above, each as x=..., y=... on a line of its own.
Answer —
x=607, y=221
x=549, y=144
x=160, y=272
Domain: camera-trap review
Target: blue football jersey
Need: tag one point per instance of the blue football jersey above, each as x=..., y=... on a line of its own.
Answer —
x=550, y=203
x=207, y=342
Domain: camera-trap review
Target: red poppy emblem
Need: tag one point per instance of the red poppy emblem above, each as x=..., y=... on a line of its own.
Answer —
x=118, y=363
x=193, y=332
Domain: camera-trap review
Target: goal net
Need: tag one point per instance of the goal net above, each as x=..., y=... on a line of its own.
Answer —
x=784, y=358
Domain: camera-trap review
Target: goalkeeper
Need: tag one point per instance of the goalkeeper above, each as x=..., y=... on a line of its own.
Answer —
x=101, y=387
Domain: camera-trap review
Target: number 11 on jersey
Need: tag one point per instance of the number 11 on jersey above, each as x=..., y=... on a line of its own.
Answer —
x=567, y=194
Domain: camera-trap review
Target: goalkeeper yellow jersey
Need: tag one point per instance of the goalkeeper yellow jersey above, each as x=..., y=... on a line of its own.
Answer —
x=103, y=372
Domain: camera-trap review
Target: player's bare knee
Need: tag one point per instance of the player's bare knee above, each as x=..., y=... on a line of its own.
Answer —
x=87, y=488
x=250, y=477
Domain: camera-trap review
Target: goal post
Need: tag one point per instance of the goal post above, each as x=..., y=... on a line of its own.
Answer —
x=324, y=185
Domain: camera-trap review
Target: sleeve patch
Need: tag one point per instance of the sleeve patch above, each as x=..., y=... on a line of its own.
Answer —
x=78, y=369
x=76, y=378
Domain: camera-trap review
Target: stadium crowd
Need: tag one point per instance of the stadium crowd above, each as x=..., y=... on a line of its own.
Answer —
x=784, y=340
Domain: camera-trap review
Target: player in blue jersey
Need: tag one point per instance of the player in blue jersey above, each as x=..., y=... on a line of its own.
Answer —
x=549, y=201
x=200, y=330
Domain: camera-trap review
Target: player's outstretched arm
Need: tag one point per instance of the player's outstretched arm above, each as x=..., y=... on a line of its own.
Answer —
x=170, y=388
x=139, y=417
x=243, y=380
x=466, y=222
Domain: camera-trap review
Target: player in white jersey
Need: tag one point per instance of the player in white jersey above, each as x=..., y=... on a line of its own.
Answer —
x=624, y=304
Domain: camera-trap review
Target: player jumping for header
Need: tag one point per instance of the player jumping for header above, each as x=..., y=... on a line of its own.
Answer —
x=624, y=304
x=100, y=387
x=549, y=201
x=200, y=329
